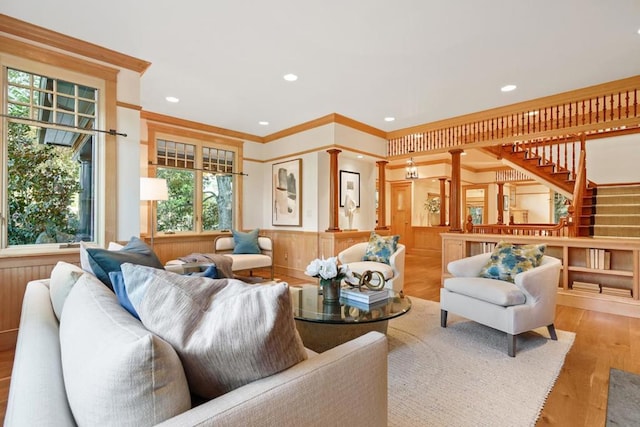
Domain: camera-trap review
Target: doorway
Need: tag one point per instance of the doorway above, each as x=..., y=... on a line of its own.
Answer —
x=401, y=208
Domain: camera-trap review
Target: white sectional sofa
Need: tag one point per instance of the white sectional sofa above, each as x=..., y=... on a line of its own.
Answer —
x=346, y=385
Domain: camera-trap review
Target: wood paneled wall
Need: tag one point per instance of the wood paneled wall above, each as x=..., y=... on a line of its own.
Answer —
x=15, y=273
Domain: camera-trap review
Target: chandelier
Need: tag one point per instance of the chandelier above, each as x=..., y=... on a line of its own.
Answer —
x=411, y=170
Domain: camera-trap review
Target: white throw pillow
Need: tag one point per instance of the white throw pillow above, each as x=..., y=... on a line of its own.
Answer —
x=63, y=277
x=84, y=256
x=116, y=373
x=228, y=333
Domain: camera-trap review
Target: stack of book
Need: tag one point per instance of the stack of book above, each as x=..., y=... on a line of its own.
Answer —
x=364, y=296
x=586, y=287
x=598, y=259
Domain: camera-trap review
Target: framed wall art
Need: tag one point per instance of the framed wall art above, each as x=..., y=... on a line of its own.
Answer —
x=349, y=187
x=286, y=193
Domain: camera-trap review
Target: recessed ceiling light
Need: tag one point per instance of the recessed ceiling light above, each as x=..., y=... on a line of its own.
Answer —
x=263, y=123
x=290, y=77
x=172, y=99
x=389, y=119
x=533, y=113
x=638, y=30
x=508, y=88
x=360, y=156
x=464, y=153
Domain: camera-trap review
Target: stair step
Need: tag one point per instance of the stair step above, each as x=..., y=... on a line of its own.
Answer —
x=618, y=199
x=625, y=189
x=616, y=231
x=617, y=209
x=616, y=219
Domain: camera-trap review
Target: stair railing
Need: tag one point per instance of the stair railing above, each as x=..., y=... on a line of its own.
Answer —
x=560, y=229
x=575, y=208
x=561, y=152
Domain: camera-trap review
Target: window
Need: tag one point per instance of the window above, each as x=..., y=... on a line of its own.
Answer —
x=201, y=186
x=50, y=148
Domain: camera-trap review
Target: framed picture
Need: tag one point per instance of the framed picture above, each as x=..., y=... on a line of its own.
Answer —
x=505, y=203
x=286, y=193
x=349, y=186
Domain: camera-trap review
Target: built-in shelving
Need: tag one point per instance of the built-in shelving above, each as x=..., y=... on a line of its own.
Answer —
x=613, y=288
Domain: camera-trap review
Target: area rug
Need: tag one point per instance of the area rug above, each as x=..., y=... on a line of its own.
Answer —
x=462, y=376
x=623, y=404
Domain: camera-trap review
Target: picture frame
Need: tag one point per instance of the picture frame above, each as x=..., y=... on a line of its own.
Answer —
x=286, y=193
x=505, y=202
x=349, y=185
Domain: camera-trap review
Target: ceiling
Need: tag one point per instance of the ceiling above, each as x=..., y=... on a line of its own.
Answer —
x=418, y=61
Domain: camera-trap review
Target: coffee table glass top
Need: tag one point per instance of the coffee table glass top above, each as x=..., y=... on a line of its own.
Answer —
x=309, y=306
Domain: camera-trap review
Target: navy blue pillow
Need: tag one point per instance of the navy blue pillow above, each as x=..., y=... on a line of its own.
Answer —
x=246, y=243
x=103, y=261
x=211, y=272
x=117, y=279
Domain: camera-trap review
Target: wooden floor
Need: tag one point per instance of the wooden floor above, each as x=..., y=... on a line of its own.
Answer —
x=579, y=397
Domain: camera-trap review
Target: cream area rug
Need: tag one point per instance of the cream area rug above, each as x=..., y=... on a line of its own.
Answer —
x=462, y=376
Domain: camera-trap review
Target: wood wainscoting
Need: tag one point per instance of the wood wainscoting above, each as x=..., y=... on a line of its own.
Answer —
x=15, y=273
x=427, y=240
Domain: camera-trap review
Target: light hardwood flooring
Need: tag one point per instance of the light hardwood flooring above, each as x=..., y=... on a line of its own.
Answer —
x=579, y=397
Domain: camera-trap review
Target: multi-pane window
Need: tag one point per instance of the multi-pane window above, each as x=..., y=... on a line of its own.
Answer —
x=200, y=183
x=50, y=149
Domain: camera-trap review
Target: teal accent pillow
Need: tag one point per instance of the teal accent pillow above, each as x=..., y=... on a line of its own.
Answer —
x=104, y=261
x=508, y=259
x=246, y=243
x=380, y=248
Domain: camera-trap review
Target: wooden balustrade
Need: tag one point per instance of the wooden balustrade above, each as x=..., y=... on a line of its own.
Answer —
x=561, y=152
x=606, y=107
x=559, y=230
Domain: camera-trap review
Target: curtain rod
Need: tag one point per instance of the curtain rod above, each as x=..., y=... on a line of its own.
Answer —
x=111, y=132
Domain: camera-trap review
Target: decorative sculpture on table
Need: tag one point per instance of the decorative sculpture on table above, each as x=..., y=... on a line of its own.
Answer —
x=349, y=209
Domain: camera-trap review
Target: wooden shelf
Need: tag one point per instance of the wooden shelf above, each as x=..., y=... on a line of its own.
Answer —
x=602, y=271
x=623, y=275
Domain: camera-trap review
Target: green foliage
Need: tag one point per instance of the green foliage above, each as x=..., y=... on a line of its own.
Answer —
x=176, y=214
x=42, y=186
x=559, y=207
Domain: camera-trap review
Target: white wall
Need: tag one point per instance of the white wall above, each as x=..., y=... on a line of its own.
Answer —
x=614, y=160
x=128, y=157
x=536, y=199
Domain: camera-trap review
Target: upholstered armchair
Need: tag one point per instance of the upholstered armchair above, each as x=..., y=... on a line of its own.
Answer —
x=393, y=272
x=527, y=303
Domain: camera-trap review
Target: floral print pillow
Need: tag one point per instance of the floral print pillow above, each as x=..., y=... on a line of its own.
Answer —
x=508, y=259
x=380, y=248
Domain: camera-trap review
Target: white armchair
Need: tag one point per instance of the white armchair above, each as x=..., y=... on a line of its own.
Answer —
x=393, y=272
x=514, y=308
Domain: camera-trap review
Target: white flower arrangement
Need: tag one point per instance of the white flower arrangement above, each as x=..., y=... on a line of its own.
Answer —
x=432, y=205
x=328, y=269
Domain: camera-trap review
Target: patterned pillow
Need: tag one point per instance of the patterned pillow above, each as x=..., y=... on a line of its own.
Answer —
x=380, y=248
x=508, y=259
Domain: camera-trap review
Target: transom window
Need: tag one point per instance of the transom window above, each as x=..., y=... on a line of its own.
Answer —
x=50, y=148
x=200, y=182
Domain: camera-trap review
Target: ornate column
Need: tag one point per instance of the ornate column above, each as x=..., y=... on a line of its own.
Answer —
x=443, y=202
x=454, y=195
x=500, y=202
x=382, y=195
x=333, y=190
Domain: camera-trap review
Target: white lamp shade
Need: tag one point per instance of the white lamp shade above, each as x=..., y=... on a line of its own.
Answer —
x=153, y=189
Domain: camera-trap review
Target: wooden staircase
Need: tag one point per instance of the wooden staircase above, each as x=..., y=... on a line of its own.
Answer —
x=617, y=211
x=540, y=160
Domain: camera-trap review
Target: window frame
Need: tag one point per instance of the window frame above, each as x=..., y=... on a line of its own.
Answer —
x=101, y=152
x=156, y=131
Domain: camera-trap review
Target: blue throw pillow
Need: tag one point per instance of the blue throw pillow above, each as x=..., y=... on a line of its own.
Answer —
x=246, y=243
x=117, y=279
x=103, y=261
x=211, y=272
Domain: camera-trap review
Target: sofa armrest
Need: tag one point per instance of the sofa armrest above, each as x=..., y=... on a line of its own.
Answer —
x=468, y=267
x=346, y=385
x=541, y=283
x=353, y=253
x=37, y=396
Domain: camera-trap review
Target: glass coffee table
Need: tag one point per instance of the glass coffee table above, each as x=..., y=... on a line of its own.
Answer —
x=323, y=326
